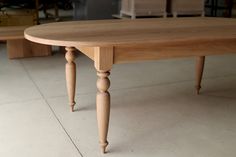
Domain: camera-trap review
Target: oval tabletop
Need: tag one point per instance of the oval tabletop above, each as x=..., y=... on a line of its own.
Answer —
x=116, y=32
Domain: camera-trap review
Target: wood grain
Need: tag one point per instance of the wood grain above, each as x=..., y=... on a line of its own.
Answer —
x=190, y=48
x=18, y=47
x=12, y=32
x=22, y=48
x=88, y=51
x=70, y=76
x=103, y=58
x=119, y=32
x=103, y=108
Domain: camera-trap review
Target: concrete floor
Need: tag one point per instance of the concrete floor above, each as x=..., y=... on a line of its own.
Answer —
x=154, y=112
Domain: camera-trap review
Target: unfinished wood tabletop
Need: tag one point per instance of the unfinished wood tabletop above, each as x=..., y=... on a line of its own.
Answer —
x=118, y=32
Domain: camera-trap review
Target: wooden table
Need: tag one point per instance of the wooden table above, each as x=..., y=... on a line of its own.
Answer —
x=18, y=46
x=109, y=42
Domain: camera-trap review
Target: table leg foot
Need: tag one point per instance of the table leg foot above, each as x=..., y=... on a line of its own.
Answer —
x=199, y=72
x=70, y=76
x=103, y=108
x=72, y=108
x=103, y=147
x=198, y=89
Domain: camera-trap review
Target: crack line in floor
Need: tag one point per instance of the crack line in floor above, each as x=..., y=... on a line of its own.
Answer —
x=53, y=112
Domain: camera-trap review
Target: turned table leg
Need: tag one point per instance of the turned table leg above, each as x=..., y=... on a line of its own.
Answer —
x=70, y=76
x=103, y=61
x=199, y=72
x=103, y=108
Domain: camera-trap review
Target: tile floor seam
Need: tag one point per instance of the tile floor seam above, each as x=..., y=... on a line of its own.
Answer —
x=54, y=114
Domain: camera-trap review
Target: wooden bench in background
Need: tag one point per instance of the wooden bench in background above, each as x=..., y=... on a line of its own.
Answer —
x=18, y=46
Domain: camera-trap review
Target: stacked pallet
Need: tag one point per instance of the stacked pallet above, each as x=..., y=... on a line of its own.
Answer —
x=187, y=7
x=135, y=8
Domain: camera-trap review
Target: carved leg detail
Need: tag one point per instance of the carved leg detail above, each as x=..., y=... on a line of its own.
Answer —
x=199, y=72
x=70, y=76
x=103, y=108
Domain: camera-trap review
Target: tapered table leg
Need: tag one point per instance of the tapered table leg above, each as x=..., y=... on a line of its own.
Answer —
x=199, y=72
x=103, y=108
x=70, y=76
x=103, y=61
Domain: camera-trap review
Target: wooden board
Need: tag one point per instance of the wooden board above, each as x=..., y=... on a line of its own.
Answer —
x=22, y=48
x=12, y=32
x=18, y=47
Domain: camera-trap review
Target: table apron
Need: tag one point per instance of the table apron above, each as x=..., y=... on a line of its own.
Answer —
x=142, y=52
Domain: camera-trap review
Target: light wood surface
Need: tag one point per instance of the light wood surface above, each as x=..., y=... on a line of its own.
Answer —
x=109, y=42
x=18, y=47
x=103, y=61
x=120, y=32
x=103, y=58
x=71, y=76
x=12, y=32
x=22, y=48
x=156, y=51
x=103, y=108
x=200, y=61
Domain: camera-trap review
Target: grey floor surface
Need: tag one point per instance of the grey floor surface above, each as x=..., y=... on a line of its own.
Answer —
x=154, y=112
